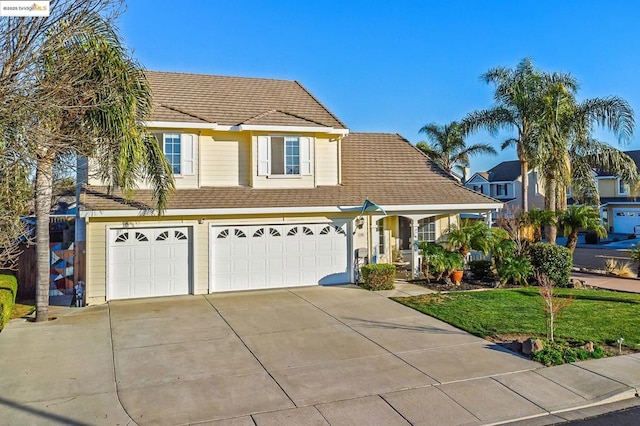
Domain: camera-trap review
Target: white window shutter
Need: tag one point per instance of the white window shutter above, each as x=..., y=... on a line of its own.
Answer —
x=264, y=162
x=305, y=156
x=187, y=142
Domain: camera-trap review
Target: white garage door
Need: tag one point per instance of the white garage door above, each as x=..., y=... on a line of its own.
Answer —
x=146, y=262
x=271, y=256
x=624, y=220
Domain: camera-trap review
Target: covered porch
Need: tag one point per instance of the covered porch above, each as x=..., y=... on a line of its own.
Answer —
x=395, y=237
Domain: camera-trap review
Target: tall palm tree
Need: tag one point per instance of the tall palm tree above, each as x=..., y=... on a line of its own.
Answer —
x=98, y=97
x=518, y=106
x=580, y=217
x=566, y=152
x=447, y=146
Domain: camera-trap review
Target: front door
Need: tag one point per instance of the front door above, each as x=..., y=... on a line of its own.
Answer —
x=405, y=233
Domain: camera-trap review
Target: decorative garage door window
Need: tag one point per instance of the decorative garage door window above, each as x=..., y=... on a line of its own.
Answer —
x=261, y=232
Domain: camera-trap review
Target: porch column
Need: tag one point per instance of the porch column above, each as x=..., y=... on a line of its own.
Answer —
x=415, y=251
x=374, y=242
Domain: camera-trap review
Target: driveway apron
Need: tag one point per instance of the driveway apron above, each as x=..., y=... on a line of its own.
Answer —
x=311, y=351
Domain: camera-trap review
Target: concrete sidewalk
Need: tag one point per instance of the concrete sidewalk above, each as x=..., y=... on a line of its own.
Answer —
x=313, y=355
x=608, y=282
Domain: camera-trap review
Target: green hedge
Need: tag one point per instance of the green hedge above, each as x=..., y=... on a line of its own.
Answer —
x=553, y=261
x=378, y=276
x=8, y=290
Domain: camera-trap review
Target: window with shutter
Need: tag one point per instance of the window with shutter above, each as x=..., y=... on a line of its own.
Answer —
x=284, y=156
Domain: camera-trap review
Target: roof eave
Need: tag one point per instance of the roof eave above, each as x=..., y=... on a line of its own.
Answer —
x=439, y=208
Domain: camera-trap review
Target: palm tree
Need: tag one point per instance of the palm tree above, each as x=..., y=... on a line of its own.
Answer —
x=447, y=147
x=566, y=152
x=518, y=96
x=97, y=97
x=580, y=217
x=516, y=108
x=538, y=219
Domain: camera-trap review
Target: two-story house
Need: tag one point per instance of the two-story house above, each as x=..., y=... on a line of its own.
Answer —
x=270, y=188
x=619, y=204
x=504, y=182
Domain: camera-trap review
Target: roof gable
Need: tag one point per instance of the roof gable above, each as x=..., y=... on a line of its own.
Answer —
x=507, y=171
x=477, y=178
x=199, y=98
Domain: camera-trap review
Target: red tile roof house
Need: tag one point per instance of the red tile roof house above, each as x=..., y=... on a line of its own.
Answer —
x=270, y=188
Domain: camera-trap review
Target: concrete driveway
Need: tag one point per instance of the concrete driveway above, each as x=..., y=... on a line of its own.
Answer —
x=313, y=355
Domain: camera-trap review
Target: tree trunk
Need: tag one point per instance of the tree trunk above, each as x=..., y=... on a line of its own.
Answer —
x=572, y=241
x=550, y=203
x=44, y=183
x=524, y=165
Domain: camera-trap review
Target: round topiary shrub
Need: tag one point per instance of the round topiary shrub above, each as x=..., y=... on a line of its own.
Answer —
x=378, y=276
x=553, y=261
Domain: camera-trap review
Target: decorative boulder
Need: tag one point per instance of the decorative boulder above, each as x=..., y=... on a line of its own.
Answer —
x=530, y=346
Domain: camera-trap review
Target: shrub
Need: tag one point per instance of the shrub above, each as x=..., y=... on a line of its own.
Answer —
x=378, y=276
x=481, y=269
x=8, y=290
x=553, y=261
x=556, y=353
x=516, y=270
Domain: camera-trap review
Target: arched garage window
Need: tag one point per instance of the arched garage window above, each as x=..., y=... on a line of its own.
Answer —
x=427, y=229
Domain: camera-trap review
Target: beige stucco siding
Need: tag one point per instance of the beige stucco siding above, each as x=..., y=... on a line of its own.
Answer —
x=326, y=161
x=225, y=161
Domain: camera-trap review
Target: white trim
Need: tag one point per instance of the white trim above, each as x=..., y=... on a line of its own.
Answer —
x=179, y=125
x=618, y=182
x=243, y=127
x=432, y=209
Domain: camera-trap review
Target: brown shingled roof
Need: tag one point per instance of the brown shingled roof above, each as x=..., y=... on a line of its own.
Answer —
x=383, y=167
x=234, y=100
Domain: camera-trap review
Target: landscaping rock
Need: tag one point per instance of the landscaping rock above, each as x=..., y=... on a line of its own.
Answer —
x=577, y=283
x=587, y=346
x=530, y=346
x=515, y=346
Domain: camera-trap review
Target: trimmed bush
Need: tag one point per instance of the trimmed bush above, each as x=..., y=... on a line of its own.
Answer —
x=553, y=261
x=378, y=276
x=481, y=269
x=8, y=290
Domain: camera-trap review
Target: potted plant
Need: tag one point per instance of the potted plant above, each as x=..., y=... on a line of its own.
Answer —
x=454, y=263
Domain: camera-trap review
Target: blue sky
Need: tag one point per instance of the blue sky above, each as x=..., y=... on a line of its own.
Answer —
x=393, y=66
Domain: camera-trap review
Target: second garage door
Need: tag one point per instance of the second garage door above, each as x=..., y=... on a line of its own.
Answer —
x=272, y=256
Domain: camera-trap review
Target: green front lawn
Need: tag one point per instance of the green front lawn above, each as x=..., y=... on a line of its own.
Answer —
x=593, y=315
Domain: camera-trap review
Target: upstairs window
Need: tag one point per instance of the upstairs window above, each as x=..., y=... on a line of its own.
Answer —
x=179, y=150
x=501, y=190
x=171, y=147
x=623, y=188
x=284, y=156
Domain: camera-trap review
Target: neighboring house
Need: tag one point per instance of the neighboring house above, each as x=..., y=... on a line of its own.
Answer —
x=504, y=182
x=270, y=187
x=619, y=204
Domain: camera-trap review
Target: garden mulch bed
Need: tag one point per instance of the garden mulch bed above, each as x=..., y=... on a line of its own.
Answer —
x=464, y=285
